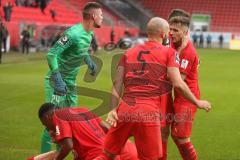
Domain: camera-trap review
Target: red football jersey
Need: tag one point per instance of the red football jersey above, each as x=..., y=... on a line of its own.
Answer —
x=189, y=63
x=83, y=127
x=145, y=75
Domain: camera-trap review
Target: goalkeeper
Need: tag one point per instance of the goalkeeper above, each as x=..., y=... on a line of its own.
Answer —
x=64, y=60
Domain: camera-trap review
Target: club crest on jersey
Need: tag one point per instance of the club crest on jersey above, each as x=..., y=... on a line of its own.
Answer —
x=64, y=40
x=184, y=63
x=177, y=59
x=57, y=131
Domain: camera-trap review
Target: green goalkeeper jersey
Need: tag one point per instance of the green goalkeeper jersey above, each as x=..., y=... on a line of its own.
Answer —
x=68, y=53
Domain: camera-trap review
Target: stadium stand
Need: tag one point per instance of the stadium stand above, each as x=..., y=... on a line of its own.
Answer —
x=109, y=17
x=67, y=14
x=224, y=14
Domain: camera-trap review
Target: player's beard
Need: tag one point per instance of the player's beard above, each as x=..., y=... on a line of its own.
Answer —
x=96, y=25
x=177, y=44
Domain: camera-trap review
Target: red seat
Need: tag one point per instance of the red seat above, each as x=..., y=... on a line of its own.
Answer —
x=224, y=14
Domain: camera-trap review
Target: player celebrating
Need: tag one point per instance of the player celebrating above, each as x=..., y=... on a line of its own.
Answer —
x=64, y=60
x=182, y=126
x=143, y=71
x=80, y=130
x=166, y=107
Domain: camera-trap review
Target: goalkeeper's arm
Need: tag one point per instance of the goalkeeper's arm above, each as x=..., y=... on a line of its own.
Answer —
x=62, y=44
x=90, y=63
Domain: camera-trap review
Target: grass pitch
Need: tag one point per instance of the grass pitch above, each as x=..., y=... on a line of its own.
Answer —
x=216, y=135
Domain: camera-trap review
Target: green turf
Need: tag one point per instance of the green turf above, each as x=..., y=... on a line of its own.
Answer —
x=216, y=135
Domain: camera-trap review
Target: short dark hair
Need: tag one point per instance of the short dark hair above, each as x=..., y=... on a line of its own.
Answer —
x=45, y=108
x=178, y=12
x=86, y=9
x=184, y=21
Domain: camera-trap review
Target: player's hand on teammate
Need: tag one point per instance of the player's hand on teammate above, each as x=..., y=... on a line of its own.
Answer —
x=202, y=104
x=59, y=85
x=74, y=153
x=112, y=118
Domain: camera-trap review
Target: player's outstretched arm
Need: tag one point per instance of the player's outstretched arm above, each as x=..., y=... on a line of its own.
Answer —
x=182, y=87
x=45, y=156
x=66, y=147
x=115, y=96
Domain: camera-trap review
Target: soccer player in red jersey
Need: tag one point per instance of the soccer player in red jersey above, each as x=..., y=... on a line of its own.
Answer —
x=184, y=110
x=143, y=72
x=79, y=130
x=166, y=107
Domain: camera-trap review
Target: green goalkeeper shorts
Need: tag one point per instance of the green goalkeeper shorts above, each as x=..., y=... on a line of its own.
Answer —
x=68, y=100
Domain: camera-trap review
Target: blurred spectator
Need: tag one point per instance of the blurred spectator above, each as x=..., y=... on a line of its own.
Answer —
x=18, y=2
x=112, y=35
x=209, y=41
x=25, y=36
x=43, y=5
x=27, y=3
x=220, y=38
x=201, y=40
x=7, y=8
x=4, y=36
x=195, y=39
x=53, y=14
x=36, y=3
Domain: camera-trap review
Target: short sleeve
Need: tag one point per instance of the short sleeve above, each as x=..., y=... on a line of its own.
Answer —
x=187, y=63
x=173, y=59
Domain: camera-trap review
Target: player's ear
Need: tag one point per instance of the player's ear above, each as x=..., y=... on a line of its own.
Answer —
x=93, y=16
x=161, y=35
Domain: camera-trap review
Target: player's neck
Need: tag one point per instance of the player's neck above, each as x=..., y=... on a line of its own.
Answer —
x=153, y=39
x=87, y=25
x=183, y=44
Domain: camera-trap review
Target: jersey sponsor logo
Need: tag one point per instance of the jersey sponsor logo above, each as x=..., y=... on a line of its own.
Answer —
x=57, y=131
x=184, y=63
x=177, y=59
x=64, y=40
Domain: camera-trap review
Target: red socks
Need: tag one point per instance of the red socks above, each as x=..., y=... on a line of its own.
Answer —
x=164, y=150
x=187, y=151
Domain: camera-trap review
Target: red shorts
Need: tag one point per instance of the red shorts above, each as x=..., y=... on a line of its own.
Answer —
x=184, y=114
x=129, y=152
x=140, y=121
x=166, y=109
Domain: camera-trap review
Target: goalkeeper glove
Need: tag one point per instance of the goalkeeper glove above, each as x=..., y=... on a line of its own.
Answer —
x=91, y=65
x=59, y=85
